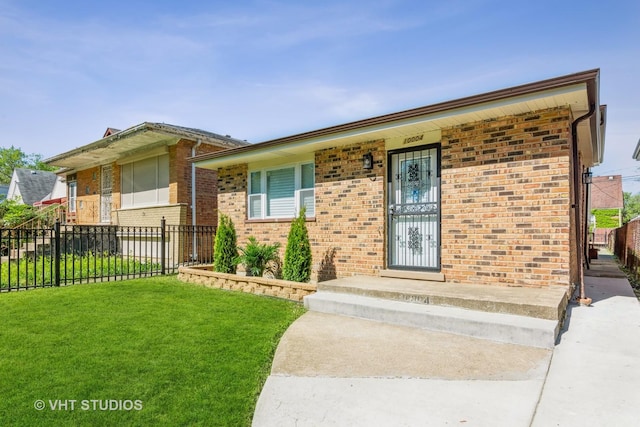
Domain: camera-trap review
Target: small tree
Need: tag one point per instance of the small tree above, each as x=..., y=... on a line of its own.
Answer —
x=631, y=207
x=225, y=249
x=260, y=258
x=12, y=158
x=297, y=256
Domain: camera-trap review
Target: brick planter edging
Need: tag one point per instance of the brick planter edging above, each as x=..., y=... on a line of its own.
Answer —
x=256, y=285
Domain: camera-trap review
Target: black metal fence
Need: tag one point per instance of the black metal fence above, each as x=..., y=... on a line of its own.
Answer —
x=62, y=255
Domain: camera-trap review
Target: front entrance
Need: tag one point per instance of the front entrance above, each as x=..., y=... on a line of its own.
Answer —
x=105, y=194
x=414, y=209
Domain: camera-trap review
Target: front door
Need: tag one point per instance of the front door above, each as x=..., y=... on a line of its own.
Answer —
x=105, y=195
x=414, y=209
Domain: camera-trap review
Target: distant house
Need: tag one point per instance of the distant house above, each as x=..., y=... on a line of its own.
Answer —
x=32, y=187
x=480, y=190
x=636, y=152
x=136, y=176
x=607, y=202
x=4, y=189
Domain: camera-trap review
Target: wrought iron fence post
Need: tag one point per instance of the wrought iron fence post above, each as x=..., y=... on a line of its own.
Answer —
x=163, y=261
x=56, y=250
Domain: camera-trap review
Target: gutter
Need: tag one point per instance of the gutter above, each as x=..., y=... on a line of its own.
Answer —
x=193, y=198
x=576, y=206
x=587, y=211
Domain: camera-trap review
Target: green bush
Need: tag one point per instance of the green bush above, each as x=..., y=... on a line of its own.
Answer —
x=297, y=256
x=14, y=213
x=225, y=249
x=260, y=258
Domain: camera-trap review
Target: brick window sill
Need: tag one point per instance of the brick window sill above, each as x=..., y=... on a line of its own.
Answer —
x=275, y=220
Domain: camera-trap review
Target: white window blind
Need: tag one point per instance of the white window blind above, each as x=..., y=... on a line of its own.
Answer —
x=281, y=193
x=145, y=182
x=281, y=189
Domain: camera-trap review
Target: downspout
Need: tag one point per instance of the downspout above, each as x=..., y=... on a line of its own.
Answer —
x=587, y=203
x=193, y=198
x=576, y=205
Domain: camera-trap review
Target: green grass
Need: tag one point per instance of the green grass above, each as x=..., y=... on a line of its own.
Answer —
x=190, y=355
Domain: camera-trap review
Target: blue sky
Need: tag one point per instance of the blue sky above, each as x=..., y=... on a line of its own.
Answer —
x=259, y=70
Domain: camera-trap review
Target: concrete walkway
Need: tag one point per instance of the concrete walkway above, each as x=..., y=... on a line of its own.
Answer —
x=594, y=378
x=332, y=370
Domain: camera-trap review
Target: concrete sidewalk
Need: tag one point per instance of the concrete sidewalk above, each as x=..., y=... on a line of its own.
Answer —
x=331, y=370
x=594, y=378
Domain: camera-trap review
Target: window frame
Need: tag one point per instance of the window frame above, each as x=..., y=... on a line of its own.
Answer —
x=73, y=195
x=161, y=193
x=263, y=195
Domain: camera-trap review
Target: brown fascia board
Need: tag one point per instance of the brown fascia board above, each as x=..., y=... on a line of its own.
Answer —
x=589, y=78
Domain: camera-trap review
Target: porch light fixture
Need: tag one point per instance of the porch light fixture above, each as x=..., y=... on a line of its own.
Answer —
x=367, y=161
x=587, y=177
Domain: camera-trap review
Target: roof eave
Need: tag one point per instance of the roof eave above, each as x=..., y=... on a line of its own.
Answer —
x=101, y=143
x=589, y=78
x=173, y=133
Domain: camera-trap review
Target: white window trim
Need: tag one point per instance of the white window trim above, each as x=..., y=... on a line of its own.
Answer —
x=263, y=195
x=73, y=196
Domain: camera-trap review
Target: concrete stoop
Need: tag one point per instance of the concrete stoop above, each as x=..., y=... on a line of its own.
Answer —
x=495, y=320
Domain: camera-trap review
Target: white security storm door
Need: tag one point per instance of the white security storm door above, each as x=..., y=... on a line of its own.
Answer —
x=105, y=194
x=73, y=196
x=414, y=209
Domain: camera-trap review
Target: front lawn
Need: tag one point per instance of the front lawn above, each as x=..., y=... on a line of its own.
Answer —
x=141, y=352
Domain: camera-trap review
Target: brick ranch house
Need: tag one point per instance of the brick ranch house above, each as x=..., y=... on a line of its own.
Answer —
x=483, y=190
x=137, y=176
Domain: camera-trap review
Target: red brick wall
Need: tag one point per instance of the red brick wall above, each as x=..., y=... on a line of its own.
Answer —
x=506, y=216
x=116, y=189
x=88, y=196
x=180, y=182
x=506, y=204
x=347, y=236
x=350, y=229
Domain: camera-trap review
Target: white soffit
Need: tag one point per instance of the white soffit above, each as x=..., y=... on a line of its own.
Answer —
x=574, y=96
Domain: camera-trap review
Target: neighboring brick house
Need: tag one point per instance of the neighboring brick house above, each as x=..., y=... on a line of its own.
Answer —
x=607, y=202
x=137, y=176
x=484, y=190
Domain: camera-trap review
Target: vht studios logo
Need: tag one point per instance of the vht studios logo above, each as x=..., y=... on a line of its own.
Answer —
x=88, y=405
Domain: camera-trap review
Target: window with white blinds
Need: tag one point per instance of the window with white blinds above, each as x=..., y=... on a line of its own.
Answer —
x=281, y=193
x=145, y=182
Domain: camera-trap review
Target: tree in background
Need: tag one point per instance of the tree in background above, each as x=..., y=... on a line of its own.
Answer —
x=631, y=207
x=14, y=212
x=12, y=158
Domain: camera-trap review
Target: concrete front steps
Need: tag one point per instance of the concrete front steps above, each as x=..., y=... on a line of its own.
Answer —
x=523, y=316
